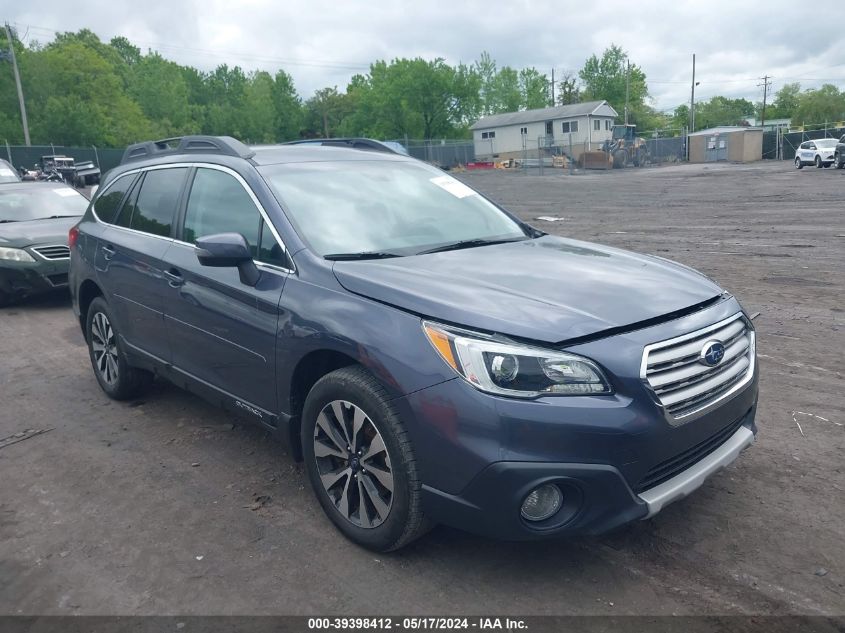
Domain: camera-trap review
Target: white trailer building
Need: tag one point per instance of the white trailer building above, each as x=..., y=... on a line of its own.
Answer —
x=518, y=134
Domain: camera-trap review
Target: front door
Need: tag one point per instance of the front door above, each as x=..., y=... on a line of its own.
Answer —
x=222, y=331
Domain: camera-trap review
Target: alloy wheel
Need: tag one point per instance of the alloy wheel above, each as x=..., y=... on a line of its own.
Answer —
x=104, y=346
x=353, y=464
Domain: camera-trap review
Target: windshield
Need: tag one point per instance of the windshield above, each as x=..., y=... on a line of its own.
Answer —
x=394, y=207
x=7, y=174
x=826, y=142
x=35, y=203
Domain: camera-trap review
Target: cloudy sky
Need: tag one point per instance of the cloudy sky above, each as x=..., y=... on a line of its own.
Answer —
x=322, y=43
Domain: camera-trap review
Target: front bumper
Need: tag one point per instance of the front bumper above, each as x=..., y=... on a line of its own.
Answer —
x=597, y=497
x=21, y=279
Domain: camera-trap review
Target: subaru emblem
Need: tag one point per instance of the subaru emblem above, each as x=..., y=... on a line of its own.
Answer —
x=712, y=353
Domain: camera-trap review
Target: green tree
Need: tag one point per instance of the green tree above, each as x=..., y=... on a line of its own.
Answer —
x=159, y=88
x=415, y=98
x=820, y=106
x=722, y=111
x=534, y=88
x=785, y=103
x=288, y=107
x=604, y=78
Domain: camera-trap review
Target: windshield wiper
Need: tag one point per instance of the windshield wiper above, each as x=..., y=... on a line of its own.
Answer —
x=56, y=217
x=339, y=257
x=469, y=244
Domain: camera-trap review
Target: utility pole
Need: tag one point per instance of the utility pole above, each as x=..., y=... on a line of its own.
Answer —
x=692, y=99
x=18, y=84
x=553, y=87
x=766, y=85
x=627, y=88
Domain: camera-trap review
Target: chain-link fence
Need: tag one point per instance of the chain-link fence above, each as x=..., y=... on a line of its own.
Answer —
x=441, y=152
x=782, y=145
x=22, y=156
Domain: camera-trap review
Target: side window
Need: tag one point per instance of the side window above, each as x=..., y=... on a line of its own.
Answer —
x=155, y=205
x=219, y=204
x=108, y=204
x=811, y=146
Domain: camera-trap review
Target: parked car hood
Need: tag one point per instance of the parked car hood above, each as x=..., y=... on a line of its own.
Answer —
x=548, y=289
x=31, y=232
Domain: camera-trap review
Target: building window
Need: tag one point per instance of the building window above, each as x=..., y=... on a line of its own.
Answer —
x=523, y=131
x=549, y=128
x=564, y=127
x=485, y=135
x=607, y=124
x=573, y=127
x=597, y=124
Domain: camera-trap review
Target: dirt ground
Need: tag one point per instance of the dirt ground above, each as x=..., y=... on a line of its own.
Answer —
x=150, y=507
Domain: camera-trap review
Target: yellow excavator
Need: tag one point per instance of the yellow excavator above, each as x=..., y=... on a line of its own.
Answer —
x=623, y=149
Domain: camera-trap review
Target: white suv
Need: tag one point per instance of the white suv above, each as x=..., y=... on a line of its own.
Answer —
x=818, y=153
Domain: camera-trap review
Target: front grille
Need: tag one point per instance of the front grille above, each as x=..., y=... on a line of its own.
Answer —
x=668, y=468
x=53, y=252
x=685, y=385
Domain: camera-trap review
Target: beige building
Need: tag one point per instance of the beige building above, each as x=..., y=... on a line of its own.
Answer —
x=581, y=126
x=733, y=144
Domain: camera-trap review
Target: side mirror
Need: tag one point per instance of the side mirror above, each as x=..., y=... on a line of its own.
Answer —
x=228, y=250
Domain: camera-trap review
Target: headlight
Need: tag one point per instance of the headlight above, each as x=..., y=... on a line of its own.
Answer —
x=15, y=255
x=515, y=370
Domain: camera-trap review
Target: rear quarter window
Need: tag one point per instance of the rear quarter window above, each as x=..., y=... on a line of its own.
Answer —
x=155, y=206
x=108, y=203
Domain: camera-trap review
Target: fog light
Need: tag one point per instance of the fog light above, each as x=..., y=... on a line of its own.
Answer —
x=542, y=502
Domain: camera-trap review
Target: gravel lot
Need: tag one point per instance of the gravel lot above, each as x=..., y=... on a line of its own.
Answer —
x=150, y=507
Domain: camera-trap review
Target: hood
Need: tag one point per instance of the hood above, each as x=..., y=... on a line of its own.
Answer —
x=33, y=232
x=547, y=289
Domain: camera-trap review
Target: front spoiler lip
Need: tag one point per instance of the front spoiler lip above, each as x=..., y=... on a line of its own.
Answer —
x=693, y=477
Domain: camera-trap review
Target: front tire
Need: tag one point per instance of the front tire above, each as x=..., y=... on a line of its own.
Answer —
x=360, y=461
x=116, y=376
x=798, y=163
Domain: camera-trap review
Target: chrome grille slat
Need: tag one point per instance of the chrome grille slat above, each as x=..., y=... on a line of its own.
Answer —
x=665, y=378
x=58, y=251
x=683, y=384
x=693, y=346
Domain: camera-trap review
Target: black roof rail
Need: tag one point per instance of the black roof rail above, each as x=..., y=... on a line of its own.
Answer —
x=225, y=145
x=354, y=143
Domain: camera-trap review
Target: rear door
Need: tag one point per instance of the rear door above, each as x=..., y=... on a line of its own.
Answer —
x=133, y=250
x=222, y=331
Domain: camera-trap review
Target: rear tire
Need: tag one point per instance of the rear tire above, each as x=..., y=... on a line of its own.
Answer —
x=837, y=161
x=360, y=461
x=116, y=376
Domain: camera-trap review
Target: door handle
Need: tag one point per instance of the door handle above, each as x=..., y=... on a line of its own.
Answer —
x=174, y=278
x=108, y=252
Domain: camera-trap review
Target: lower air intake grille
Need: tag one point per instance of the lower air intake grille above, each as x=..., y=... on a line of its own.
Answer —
x=667, y=469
